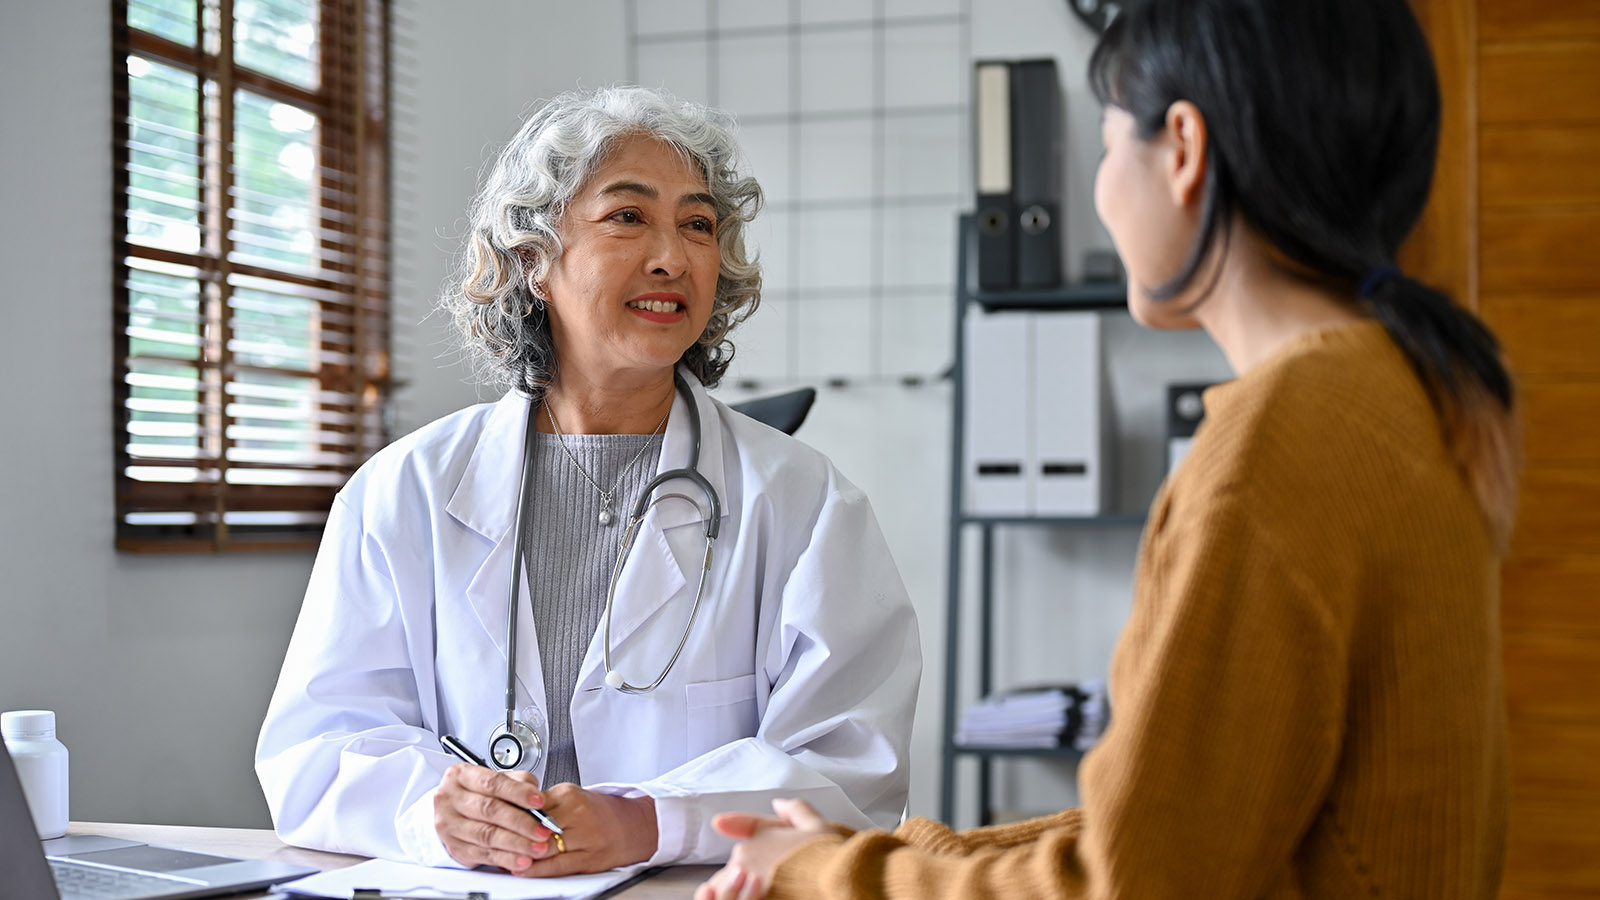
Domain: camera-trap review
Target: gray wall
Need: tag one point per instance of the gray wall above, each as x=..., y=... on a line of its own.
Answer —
x=157, y=667
x=160, y=666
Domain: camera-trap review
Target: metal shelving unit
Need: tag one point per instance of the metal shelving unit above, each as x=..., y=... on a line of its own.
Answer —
x=1106, y=297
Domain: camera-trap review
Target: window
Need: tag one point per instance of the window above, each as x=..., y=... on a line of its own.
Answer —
x=251, y=256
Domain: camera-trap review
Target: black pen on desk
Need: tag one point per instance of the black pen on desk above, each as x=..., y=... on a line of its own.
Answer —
x=460, y=751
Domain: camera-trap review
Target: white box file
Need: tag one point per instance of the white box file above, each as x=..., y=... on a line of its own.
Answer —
x=1069, y=455
x=996, y=372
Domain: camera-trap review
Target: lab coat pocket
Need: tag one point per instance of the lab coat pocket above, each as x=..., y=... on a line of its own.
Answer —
x=719, y=712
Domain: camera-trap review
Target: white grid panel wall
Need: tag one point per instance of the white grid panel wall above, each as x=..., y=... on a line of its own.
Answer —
x=853, y=116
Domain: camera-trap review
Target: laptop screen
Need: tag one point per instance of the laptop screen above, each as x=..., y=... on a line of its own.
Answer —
x=27, y=875
x=25, y=872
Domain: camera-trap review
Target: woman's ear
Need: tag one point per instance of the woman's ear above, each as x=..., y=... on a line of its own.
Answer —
x=1187, y=139
x=533, y=273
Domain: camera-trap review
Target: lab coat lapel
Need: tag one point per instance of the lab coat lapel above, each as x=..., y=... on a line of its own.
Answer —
x=486, y=502
x=663, y=567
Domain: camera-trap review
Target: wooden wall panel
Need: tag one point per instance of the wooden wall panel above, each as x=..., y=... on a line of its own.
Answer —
x=1553, y=849
x=1523, y=166
x=1536, y=111
x=1552, y=678
x=1442, y=244
x=1554, y=759
x=1514, y=891
x=1511, y=20
x=1548, y=336
x=1560, y=514
x=1538, y=82
x=1551, y=594
x=1548, y=249
x=1561, y=423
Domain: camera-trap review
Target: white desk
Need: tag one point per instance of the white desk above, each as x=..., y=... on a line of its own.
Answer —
x=677, y=883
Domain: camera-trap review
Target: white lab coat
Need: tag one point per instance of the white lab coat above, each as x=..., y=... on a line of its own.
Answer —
x=798, y=680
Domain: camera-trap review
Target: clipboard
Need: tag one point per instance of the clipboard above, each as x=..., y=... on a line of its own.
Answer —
x=635, y=878
x=380, y=894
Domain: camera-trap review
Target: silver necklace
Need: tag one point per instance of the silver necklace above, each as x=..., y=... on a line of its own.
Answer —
x=606, y=518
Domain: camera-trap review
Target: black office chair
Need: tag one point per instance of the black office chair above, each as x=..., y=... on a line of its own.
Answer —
x=783, y=411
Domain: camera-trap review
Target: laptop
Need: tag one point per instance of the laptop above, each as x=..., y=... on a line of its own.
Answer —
x=95, y=867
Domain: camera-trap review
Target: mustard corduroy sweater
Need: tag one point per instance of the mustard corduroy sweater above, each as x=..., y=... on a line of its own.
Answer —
x=1307, y=699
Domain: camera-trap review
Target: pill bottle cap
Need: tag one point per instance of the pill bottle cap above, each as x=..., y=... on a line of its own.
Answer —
x=21, y=724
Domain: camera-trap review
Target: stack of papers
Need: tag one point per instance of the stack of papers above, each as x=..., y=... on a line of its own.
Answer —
x=1073, y=715
x=1095, y=707
x=400, y=879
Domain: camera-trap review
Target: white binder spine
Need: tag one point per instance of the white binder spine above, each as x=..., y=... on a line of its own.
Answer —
x=1067, y=464
x=996, y=427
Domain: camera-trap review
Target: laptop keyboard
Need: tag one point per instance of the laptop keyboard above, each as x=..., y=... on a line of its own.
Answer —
x=80, y=882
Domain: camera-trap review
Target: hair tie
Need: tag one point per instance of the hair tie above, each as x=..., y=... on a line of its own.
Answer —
x=1377, y=278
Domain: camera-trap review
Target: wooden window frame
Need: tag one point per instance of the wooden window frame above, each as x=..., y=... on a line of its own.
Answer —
x=347, y=286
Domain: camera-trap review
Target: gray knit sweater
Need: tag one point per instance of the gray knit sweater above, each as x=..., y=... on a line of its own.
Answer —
x=569, y=557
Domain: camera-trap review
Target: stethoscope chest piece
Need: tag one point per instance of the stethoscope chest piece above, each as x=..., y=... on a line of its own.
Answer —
x=518, y=745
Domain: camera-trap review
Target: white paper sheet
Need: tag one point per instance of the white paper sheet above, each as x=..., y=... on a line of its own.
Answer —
x=402, y=878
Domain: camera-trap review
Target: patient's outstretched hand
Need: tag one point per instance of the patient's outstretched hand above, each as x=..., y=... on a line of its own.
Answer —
x=763, y=841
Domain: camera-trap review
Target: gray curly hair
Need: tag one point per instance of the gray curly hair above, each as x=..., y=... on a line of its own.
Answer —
x=512, y=234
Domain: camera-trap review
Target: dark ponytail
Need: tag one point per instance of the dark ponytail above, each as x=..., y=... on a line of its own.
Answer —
x=1323, y=119
x=1459, y=362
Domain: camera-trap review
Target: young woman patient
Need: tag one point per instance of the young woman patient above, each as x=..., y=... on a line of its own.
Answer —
x=1307, y=698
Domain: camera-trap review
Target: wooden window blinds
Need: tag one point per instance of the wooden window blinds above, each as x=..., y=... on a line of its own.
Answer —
x=251, y=266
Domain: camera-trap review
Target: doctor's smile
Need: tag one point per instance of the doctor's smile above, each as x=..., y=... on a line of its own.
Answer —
x=659, y=307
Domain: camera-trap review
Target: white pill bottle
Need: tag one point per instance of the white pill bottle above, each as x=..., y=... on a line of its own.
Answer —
x=41, y=760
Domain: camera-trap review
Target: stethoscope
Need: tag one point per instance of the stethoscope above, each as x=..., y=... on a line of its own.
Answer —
x=515, y=743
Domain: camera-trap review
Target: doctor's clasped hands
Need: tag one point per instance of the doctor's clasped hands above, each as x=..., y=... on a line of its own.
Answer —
x=481, y=815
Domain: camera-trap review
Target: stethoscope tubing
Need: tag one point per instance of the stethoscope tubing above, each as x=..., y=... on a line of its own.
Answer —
x=614, y=678
x=523, y=486
x=691, y=473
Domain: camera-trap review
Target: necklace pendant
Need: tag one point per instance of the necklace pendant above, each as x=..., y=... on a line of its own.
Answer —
x=605, y=515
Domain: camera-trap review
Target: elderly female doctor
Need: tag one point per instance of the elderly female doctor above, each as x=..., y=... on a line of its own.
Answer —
x=749, y=639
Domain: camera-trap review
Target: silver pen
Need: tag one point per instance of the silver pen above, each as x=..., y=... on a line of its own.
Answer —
x=460, y=751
